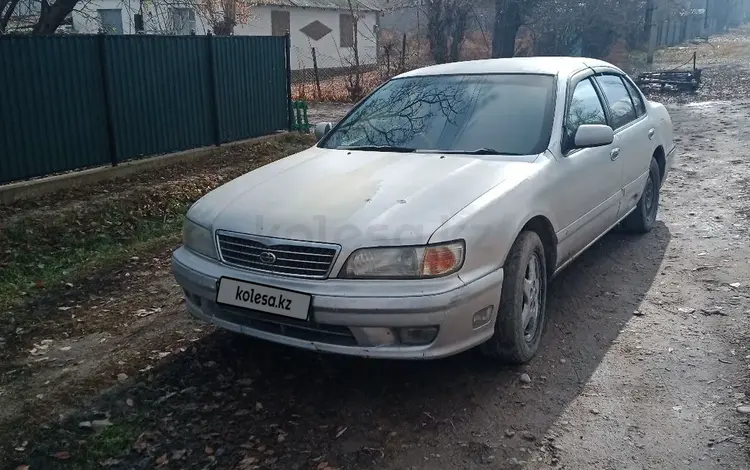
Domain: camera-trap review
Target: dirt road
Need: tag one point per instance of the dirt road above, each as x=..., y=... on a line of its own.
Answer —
x=644, y=364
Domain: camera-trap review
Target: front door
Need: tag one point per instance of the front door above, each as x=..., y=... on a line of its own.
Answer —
x=589, y=185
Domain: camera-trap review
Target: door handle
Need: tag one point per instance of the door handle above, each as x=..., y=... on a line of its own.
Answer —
x=614, y=154
x=651, y=133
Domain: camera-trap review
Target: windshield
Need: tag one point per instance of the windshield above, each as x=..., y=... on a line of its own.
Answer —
x=503, y=114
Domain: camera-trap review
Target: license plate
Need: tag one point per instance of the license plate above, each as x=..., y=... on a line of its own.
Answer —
x=263, y=298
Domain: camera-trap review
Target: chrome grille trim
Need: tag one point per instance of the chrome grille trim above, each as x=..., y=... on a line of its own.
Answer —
x=294, y=258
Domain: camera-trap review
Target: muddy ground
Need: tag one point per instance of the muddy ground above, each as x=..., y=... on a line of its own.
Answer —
x=645, y=360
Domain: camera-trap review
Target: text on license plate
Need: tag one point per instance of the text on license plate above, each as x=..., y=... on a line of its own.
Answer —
x=263, y=298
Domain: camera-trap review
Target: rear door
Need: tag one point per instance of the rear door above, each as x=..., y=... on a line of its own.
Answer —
x=633, y=134
x=588, y=184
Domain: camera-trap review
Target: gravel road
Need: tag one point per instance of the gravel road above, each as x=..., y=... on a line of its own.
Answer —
x=644, y=365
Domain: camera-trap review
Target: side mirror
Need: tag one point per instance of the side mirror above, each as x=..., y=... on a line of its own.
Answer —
x=593, y=135
x=321, y=129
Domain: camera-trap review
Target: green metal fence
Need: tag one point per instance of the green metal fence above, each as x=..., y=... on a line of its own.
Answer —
x=71, y=102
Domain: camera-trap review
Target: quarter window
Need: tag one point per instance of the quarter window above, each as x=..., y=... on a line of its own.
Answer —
x=585, y=108
x=617, y=95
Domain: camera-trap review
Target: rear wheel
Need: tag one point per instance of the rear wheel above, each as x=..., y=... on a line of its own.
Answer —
x=523, y=301
x=643, y=218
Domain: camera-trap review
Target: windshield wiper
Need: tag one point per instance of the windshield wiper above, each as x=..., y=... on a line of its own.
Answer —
x=379, y=148
x=481, y=151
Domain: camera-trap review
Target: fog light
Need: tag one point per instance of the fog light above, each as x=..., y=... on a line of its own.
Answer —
x=418, y=336
x=482, y=317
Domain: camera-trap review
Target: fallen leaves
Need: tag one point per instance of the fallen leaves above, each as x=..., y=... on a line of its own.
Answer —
x=708, y=311
x=147, y=312
x=145, y=441
x=62, y=455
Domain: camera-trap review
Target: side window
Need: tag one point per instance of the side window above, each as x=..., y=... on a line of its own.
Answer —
x=617, y=95
x=585, y=108
x=640, y=107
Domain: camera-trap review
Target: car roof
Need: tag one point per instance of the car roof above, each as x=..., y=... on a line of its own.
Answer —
x=563, y=66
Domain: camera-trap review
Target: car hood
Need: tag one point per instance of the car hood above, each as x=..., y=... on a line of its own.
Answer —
x=354, y=198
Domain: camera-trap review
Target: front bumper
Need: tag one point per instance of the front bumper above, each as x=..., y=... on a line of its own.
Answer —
x=360, y=320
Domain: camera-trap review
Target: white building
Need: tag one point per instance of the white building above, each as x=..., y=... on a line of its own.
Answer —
x=326, y=25
x=123, y=16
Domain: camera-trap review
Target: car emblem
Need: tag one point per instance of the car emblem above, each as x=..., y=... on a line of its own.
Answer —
x=267, y=257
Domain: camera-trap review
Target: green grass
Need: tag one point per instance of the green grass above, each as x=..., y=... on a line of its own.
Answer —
x=75, y=255
x=57, y=240
x=110, y=443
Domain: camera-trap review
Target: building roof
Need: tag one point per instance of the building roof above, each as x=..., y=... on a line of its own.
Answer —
x=362, y=5
x=530, y=65
x=395, y=4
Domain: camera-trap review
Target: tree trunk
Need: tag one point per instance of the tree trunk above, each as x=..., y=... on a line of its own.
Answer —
x=648, y=20
x=436, y=32
x=52, y=16
x=355, y=79
x=9, y=6
x=459, y=29
x=508, y=20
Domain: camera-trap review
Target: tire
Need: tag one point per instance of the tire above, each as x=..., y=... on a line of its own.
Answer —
x=642, y=219
x=516, y=341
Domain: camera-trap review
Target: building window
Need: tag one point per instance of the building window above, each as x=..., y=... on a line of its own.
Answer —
x=279, y=23
x=346, y=22
x=183, y=21
x=111, y=20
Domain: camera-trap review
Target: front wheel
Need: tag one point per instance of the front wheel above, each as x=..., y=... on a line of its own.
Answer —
x=643, y=218
x=522, y=314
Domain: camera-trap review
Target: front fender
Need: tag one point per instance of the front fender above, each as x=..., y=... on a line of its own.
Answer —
x=489, y=226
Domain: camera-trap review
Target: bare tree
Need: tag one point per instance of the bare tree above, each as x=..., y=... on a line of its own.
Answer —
x=355, y=73
x=585, y=27
x=446, y=27
x=46, y=18
x=223, y=15
x=510, y=15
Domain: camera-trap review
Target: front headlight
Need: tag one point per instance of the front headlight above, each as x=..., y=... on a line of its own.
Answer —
x=407, y=262
x=198, y=239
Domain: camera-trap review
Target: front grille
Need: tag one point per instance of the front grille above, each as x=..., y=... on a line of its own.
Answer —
x=289, y=258
x=290, y=327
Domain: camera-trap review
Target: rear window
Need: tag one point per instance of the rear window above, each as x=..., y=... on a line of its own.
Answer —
x=509, y=113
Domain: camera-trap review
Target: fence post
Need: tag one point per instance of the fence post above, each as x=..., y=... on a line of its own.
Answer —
x=317, y=74
x=107, y=94
x=214, y=91
x=298, y=108
x=289, y=79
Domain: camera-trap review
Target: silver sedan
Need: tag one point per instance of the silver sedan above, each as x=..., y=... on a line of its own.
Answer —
x=432, y=217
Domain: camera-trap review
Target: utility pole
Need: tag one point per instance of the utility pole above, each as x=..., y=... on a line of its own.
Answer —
x=705, y=18
x=652, y=16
